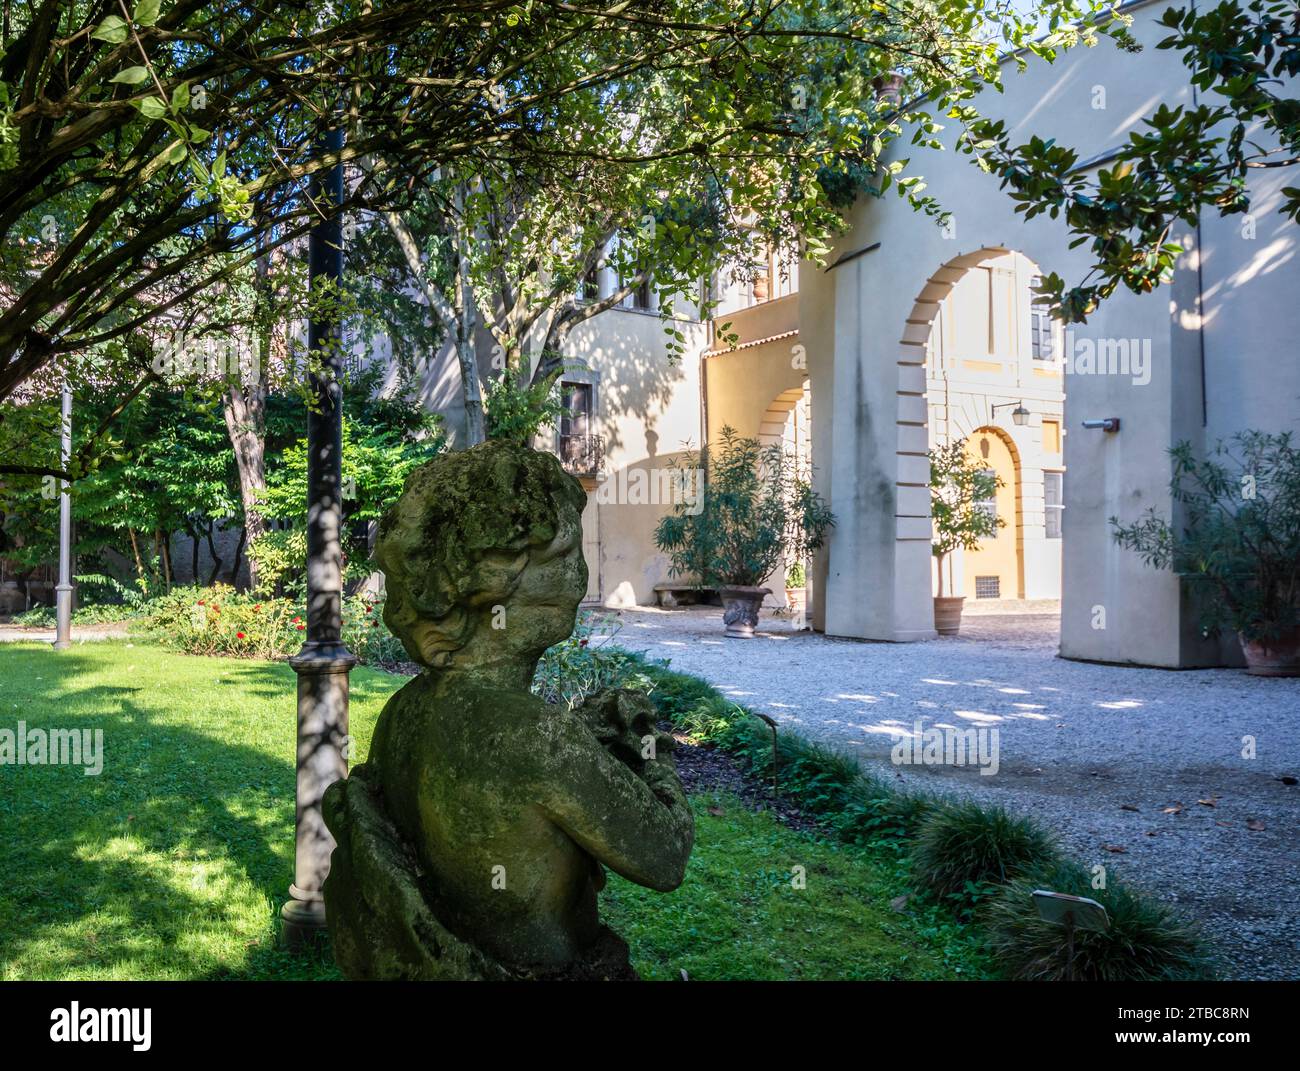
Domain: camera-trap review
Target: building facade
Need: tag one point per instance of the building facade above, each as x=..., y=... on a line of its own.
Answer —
x=914, y=334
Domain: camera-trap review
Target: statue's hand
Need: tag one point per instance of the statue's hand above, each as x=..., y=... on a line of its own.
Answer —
x=624, y=723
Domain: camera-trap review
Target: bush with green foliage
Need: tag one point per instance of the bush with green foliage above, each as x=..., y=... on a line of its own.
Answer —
x=1147, y=940
x=586, y=662
x=756, y=510
x=1237, y=543
x=517, y=412
x=219, y=620
x=830, y=786
x=960, y=490
x=963, y=849
x=376, y=461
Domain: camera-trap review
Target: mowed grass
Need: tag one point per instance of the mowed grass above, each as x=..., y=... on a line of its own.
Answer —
x=174, y=861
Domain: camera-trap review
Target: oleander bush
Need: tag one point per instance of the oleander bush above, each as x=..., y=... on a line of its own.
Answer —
x=1147, y=940
x=963, y=849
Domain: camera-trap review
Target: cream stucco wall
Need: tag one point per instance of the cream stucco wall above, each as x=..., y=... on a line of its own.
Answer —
x=866, y=350
x=648, y=411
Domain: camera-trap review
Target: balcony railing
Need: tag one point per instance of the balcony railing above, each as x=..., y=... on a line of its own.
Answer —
x=582, y=455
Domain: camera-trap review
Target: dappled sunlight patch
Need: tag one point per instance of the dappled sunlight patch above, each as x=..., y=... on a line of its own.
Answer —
x=978, y=716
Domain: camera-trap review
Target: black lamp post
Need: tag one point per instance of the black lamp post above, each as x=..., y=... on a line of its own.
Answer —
x=324, y=662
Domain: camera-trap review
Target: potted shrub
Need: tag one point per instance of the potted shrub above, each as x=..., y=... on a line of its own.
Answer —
x=1237, y=544
x=960, y=490
x=796, y=585
x=752, y=510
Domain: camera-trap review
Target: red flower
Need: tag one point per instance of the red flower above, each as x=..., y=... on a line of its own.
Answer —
x=239, y=635
x=582, y=643
x=202, y=603
x=301, y=627
x=257, y=607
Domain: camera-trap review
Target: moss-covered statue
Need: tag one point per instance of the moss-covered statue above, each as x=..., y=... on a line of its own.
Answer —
x=471, y=843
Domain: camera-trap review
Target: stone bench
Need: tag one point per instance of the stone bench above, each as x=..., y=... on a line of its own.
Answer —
x=670, y=594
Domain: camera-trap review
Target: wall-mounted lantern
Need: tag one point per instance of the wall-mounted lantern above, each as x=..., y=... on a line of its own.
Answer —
x=1110, y=423
x=1019, y=414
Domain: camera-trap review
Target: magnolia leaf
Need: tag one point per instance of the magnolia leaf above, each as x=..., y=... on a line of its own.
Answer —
x=146, y=12
x=112, y=30
x=152, y=108
x=132, y=76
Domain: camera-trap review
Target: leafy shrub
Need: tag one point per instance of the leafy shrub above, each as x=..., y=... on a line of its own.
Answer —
x=827, y=784
x=964, y=848
x=1147, y=940
x=586, y=662
x=758, y=510
x=221, y=621
x=103, y=599
x=1237, y=541
x=676, y=694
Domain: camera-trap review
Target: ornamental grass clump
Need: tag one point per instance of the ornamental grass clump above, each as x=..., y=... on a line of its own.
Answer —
x=963, y=848
x=1147, y=941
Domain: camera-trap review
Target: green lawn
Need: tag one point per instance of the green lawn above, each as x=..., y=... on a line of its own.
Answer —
x=173, y=862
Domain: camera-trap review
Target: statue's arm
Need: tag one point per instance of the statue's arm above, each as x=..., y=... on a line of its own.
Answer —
x=638, y=825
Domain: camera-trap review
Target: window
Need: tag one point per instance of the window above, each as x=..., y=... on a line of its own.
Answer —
x=1051, y=436
x=641, y=296
x=1053, y=502
x=576, y=418
x=988, y=587
x=1041, y=339
x=580, y=452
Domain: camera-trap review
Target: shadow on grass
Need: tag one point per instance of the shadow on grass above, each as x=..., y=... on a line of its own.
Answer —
x=171, y=863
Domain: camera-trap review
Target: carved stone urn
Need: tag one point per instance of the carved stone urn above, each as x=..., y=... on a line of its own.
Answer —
x=740, y=606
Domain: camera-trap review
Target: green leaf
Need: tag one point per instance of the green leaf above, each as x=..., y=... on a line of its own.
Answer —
x=132, y=76
x=176, y=153
x=146, y=12
x=181, y=97
x=152, y=108
x=112, y=30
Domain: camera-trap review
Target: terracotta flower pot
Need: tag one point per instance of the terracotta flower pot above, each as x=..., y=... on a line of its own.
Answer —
x=947, y=614
x=740, y=607
x=797, y=600
x=1278, y=657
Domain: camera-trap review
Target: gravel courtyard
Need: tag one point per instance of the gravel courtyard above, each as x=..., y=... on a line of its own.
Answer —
x=1140, y=770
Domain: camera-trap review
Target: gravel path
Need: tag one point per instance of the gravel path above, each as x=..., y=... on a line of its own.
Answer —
x=11, y=633
x=1140, y=770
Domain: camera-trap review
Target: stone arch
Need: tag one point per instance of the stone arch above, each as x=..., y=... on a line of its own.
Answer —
x=913, y=482
x=925, y=416
x=788, y=418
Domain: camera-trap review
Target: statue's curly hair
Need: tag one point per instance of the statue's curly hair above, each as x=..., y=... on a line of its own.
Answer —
x=467, y=524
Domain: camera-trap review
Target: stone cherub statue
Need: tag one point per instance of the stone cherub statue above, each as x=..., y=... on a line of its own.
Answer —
x=471, y=843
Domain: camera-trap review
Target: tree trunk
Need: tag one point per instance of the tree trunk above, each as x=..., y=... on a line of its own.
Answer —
x=239, y=554
x=244, y=406
x=135, y=551
x=216, y=561
x=457, y=316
